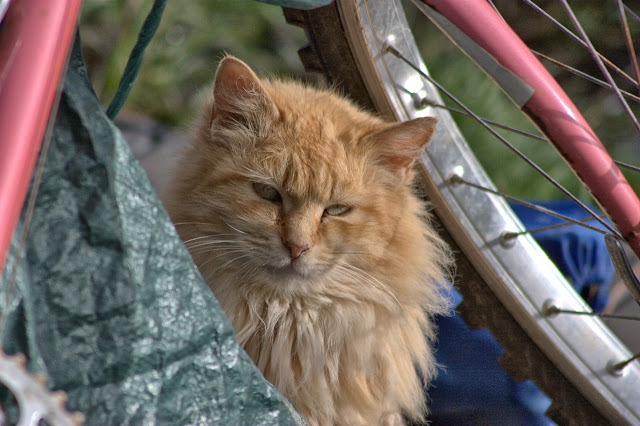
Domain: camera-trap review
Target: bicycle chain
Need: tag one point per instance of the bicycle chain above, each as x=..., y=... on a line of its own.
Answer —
x=35, y=402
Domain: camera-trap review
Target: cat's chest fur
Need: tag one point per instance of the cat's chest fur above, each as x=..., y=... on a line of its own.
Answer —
x=328, y=354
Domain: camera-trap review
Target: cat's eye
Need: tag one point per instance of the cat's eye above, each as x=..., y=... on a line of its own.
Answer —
x=267, y=192
x=337, y=210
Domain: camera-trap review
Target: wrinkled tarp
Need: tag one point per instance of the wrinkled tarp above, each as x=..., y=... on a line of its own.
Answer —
x=107, y=301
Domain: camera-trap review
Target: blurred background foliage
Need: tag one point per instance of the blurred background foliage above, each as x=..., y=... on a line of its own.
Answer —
x=194, y=35
x=182, y=58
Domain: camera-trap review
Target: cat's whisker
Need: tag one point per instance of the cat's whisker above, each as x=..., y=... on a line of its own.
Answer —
x=235, y=229
x=214, y=247
x=213, y=250
x=211, y=236
x=231, y=261
x=255, y=266
x=201, y=239
x=240, y=250
x=197, y=244
x=217, y=246
x=370, y=279
x=193, y=223
x=186, y=243
x=248, y=270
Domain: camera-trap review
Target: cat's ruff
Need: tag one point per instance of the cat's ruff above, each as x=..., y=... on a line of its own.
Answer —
x=297, y=208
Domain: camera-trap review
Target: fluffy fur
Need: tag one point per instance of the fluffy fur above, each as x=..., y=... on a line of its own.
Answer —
x=335, y=309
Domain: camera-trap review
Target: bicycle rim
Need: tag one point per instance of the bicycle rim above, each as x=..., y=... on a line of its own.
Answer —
x=566, y=356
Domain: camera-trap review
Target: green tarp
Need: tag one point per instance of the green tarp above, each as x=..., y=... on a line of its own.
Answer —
x=107, y=301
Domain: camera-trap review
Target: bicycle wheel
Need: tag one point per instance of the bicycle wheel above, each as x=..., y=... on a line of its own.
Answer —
x=505, y=286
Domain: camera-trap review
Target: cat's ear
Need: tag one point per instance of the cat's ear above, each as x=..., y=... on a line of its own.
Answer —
x=399, y=145
x=238, y=94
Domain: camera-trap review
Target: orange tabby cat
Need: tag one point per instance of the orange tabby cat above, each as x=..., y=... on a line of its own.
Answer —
x=297, y=208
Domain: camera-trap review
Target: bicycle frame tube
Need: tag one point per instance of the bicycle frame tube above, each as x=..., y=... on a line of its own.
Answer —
x=552, y=111
x=34, y=42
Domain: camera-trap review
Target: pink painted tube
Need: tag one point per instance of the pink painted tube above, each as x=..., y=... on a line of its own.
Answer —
x=35, y=37
x=552, y=111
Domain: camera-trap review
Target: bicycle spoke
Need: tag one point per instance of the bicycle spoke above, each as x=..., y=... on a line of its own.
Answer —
x=597, y=57
x=622, y=365
x=510, y=235
x=580, y=41
x=425, y=102
x=631, y=13
x=628, y=40
x=584, y=75
x=554, y=310
x=395, y=52
x=456, y=179
x=628, y=166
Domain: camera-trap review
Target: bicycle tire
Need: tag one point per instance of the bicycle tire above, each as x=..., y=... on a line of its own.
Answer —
x=333, y=52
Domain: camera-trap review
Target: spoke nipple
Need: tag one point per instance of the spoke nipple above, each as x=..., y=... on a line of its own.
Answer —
x=420, y=101
x=508, y=239
x=388, y=46
x=550, y=309
x=455, y=179
x=616, y=369
x=456, y=176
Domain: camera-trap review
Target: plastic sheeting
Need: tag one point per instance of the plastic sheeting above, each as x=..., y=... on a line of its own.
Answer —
x=107, y=301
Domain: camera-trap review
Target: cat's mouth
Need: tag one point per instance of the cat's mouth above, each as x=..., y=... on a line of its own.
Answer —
x=291, y=271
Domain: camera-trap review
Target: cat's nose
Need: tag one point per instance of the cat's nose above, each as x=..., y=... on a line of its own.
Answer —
x=295, y=250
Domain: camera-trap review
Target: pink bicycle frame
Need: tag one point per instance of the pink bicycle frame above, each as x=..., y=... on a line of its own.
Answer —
x=34, y=42
x=552, y=111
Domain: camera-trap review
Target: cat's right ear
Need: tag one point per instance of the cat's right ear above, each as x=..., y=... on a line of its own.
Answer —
x=238, y=95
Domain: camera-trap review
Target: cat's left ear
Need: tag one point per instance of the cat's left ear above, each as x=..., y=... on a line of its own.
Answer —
x=399, y=145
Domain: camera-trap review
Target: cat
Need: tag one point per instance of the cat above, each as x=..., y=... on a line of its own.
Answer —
x=297, y=207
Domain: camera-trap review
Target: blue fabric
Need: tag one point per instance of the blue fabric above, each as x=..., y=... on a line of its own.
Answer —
x=579, y=253
x=298, y=4
x=471, y=387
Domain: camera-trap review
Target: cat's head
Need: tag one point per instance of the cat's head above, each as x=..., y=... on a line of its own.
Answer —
x=294, y=186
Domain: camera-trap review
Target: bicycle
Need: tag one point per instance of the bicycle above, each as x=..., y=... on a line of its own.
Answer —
x=455, y=189
x=366, y=48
